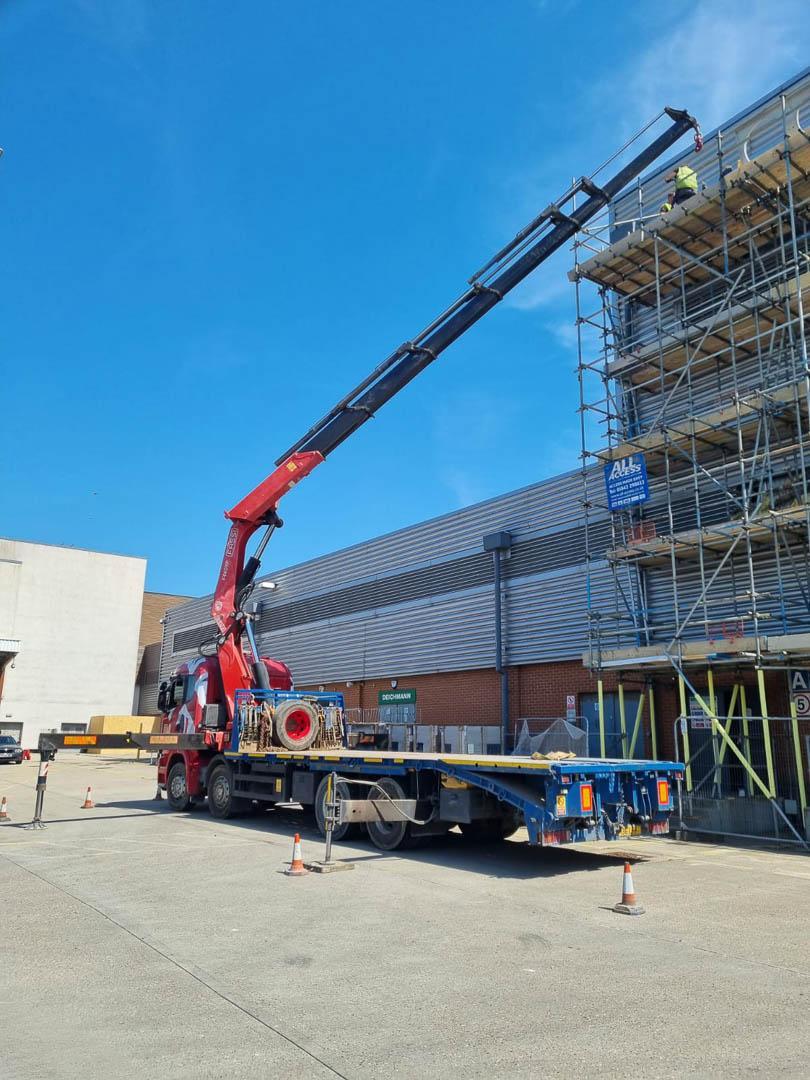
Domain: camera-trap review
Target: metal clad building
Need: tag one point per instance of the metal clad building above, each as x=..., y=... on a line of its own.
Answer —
x=420, y=600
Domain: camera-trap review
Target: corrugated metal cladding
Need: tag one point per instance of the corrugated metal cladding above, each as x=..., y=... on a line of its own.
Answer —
x=783, y=601
x=714, y=387
x=420, y=599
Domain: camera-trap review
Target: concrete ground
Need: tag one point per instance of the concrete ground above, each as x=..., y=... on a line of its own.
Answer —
x=140, y=943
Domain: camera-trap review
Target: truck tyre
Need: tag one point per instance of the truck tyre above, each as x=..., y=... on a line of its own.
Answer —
x=177, y=794
x=340, y=832
x=390, y=835
x=296, y=724
x=222, y=803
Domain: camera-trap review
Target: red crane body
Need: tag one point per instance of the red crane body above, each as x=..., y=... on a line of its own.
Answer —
x=255, y=510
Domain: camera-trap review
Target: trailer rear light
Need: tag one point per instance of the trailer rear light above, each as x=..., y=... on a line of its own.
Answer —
x=556, y=836
x=663, y=793
x=565, y=779
x=586, y=798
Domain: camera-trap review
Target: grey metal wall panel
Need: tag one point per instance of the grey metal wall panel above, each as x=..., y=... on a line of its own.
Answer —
x=415, y=600
x=788, y=606
x=451, y=633
x=542, y=507
x=714, y=389
x=546, y=618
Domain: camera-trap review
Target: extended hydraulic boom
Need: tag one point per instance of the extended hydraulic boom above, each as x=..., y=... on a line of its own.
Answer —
x=532, y=246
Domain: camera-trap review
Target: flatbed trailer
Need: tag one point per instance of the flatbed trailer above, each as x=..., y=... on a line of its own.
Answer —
x=404, y=797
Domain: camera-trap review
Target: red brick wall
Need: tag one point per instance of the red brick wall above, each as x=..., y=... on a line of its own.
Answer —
x=474, y=697
x=464, y=697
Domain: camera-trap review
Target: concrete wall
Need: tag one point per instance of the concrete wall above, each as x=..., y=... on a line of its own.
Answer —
x=77, y=616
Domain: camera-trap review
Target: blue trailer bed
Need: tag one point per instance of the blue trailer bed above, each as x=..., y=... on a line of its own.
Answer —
x=559, y=800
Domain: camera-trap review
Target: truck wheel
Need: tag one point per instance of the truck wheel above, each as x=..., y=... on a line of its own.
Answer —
x=389, y=835
x=222, y=803
x=177, y=794
x=340, y=832
x=296, y=724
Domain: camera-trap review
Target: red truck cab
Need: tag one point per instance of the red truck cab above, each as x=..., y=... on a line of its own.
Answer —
x=192, y=700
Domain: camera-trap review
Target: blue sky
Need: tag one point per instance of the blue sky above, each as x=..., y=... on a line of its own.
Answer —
x=218, y=218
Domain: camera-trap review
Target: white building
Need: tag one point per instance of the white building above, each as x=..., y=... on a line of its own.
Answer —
x=69, y=624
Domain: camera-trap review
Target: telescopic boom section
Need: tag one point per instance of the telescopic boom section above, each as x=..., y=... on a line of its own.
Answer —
x=531, y=247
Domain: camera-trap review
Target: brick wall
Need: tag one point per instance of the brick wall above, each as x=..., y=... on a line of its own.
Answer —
x=474, y=697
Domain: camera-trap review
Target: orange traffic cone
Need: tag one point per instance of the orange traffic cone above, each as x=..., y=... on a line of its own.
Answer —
x=3, y=812
x=88, y=802
x=628, y=905
x=297, y=865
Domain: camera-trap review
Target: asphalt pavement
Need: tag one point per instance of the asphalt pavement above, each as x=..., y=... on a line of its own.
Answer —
x=136, y=942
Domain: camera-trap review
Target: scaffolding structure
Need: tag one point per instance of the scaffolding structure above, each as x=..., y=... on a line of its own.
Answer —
x=693, y=368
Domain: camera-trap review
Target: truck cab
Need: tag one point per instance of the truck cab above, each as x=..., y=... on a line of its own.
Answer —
x=193, y=702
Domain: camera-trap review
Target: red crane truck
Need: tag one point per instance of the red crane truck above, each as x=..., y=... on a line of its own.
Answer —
x=236, y=733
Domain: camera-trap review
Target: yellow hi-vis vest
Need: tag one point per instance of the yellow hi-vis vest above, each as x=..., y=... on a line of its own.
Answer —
x=685, y=179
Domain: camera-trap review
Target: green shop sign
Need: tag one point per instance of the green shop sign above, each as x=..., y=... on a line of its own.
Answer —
x=397, y=697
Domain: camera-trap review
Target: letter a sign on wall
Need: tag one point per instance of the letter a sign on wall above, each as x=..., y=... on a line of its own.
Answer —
x=626, y=481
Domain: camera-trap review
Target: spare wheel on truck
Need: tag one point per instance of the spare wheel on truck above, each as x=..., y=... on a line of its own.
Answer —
x=296, y=724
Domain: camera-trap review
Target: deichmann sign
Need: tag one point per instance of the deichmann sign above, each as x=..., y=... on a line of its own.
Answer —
x=626, y=481
x=397, y=697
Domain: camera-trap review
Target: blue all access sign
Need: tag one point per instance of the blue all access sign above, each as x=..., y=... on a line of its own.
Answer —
x=626, y=481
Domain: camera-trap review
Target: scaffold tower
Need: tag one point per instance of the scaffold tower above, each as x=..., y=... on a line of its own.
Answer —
x=694, y=382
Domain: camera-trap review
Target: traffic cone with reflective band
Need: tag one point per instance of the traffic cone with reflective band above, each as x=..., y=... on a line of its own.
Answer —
x=297, y=864
x=158, y=796
x=3, y=812
x=88, y=802
x=628, y=905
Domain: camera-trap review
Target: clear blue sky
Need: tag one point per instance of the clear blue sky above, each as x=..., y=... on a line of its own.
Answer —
x=217, y=218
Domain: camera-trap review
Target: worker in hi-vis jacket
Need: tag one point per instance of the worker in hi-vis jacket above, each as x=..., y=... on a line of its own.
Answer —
x=686, y=185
